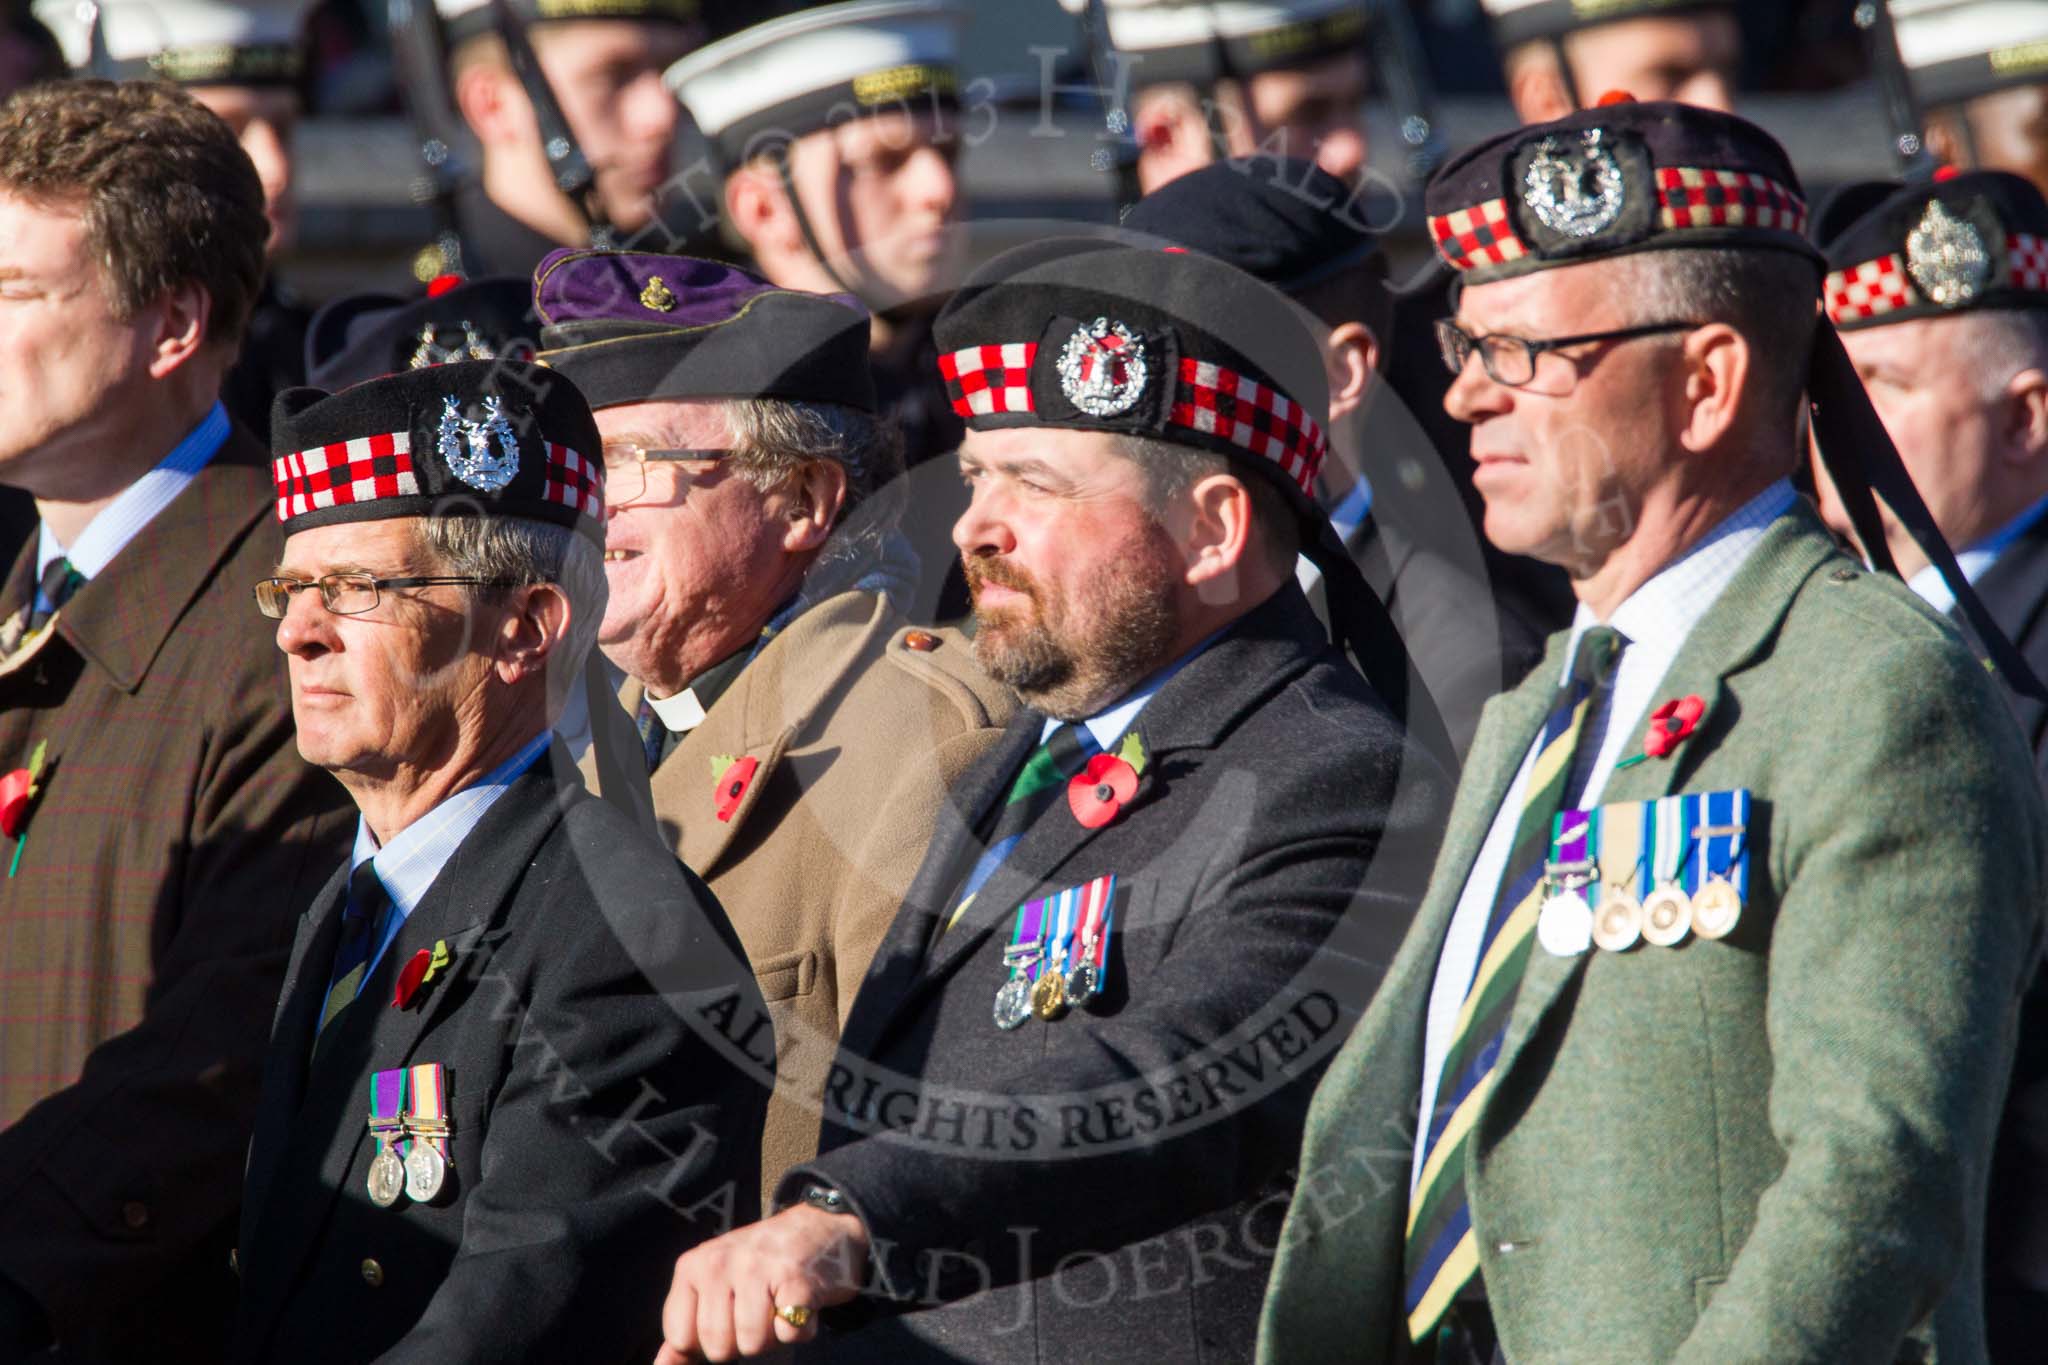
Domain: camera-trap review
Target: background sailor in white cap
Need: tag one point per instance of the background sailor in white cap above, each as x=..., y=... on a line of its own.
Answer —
x=838, y=129
x=593, y=93
x=247, y=63
x=1561, y=55
x=1979, y=72
x=1228, y=79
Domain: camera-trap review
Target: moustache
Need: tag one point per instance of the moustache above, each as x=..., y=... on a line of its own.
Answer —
x=1001, y=573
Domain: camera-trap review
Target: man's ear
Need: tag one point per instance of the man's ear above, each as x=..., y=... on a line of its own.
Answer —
x=1536, y=86
x=1716, y=371
x=535, y=625
x=184, y=318
x=1218, y=538
x=758, y=208
x=811, y=501
x=1351, y=356
x=493, y=105
x=1173, y=136
x=2023, y=419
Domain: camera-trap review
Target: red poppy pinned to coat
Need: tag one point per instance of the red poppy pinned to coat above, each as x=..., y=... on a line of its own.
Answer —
x=1099, y=792
x=733, y=776
x=1671, y=724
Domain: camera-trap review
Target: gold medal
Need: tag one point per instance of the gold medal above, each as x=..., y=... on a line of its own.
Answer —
x=1049, y=996
x=1618, y=923
x=1667, y=916
x=1716, y=909
x=387, y=1176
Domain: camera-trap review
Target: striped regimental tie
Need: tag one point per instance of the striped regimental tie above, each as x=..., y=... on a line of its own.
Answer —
x=359, y=924
x=1441, y=1254
x=1039, y=783
x=59, y=581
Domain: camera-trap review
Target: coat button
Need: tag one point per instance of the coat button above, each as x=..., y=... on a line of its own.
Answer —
x=923, y=641
x=373, y=1274
x=235, y=1259
x=135, y=1214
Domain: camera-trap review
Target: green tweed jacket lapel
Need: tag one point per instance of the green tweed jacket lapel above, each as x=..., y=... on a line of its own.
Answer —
x=1725, y=640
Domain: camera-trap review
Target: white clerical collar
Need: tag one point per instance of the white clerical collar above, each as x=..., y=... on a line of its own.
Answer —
x=681, y=713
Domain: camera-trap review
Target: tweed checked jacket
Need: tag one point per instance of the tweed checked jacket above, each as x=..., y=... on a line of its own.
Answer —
x=1107, y=1185
x=143, y=936
x=857, y=736
x=598, y=1029
x=1768, y=1148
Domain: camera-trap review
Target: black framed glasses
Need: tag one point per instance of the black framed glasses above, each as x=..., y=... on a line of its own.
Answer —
x=1511, y=360
x=625, y=467
x=351, y=594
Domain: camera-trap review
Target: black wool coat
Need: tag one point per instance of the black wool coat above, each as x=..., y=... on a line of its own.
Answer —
x=1107, y=1185
x=604, y=1046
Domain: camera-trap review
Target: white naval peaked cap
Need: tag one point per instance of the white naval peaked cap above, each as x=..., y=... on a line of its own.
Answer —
x=818, y=68
x=465, y=19
x=1517, y=21
x=1958, y=51
x=1202, y=40
x=191, y=42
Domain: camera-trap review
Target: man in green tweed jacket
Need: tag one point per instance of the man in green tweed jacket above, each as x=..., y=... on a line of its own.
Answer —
x=1739, y=1123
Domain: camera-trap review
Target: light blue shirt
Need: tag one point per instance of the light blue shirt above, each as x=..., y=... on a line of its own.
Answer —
x=1974, y=560
x=121, y=520
x=408, y=865
x=1654, y=621
x=1110, y=726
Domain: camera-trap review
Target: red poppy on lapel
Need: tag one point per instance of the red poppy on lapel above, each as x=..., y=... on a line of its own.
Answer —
x=409, y=978
x=1671, y=724
x=19, y=789
x=732, y=785
x=1100, y=791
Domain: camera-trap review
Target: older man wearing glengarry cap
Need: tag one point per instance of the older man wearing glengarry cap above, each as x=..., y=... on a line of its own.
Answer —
x=501, y=1066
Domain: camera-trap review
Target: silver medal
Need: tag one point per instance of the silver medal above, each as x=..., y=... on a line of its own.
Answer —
x=1564, y=926
x=1013, y=1003
x=1082, y=983
x=425, y=1170
x=387, y=1177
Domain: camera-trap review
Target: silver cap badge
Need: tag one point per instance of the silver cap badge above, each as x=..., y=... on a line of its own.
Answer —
x=465, y=446
x=1573, y=190
x=1946, y=257
x=1103, y=368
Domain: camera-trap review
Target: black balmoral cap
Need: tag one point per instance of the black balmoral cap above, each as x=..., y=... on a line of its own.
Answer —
x=1612, y=180
x=1280, y=219
x=367, y=336
x=638, y=326
x=474, y=437
x=1970, y=241
x=1092, y=335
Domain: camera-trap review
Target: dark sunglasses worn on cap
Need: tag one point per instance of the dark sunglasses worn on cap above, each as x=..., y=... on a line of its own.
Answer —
x=1511, y=360
x=351, y=594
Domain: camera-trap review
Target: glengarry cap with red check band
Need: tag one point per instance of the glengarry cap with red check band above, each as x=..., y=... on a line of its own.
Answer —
x=1969, y=241
x=1624, y=178
x=475, y=437
x=1090, y=334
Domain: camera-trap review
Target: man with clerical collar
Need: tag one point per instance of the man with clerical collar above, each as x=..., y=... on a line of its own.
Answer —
x=800, y=737
x=160, y=833
x=538, y=80
x=246, y=62
x=1210, y=80
x=1396, y=503
x=1189, y=846
x=1682, y=1059
x=504, y=1063
x=1561, y=55
x=1978, y=70
x=1939, y=291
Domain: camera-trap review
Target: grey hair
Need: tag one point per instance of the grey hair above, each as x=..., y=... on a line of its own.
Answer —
x=1770, y=297
x=524, y=553
x=1996, y=344
x=774, y=438
x=1171, y=470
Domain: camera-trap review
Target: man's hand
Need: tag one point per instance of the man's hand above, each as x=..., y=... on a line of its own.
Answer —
x=724, y=1300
